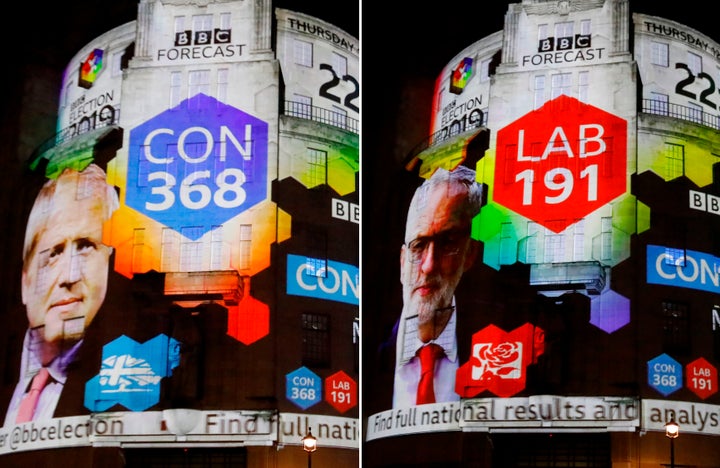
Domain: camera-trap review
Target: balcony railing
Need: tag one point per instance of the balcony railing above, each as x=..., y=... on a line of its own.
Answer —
x=690, y=114
x=456, y=128
x=109, y=116
x=318, y=114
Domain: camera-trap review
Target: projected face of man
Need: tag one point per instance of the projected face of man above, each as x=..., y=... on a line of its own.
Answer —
x=436, y=253
x=65, y=279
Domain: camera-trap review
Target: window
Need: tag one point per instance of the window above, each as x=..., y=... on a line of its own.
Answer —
x=564, y=29
x=303, y=53
x=316, y=267
x=674, y=161
x=583, y=86
x=225, y=20
x=675, y=328
x=316, y=244
x=222, y=84
x=202, y=23
x=674, y=256
x=659, y=103
x=116, y=64
x=179, y=24
x=301, y=106
x=190, y=250
x=198, y=82
x=183, y=37
x=659, y=54
x=339, y=64
x=338, y=117
x=534, y=232
x=606, y=238
x=554, y=247
x=316, y=340
x=175, y=88
x=507, y=244
x=694, y=63
x=585, y=27
x=143, y=172
x=216, y=248
x=169, y=250
x=137, y=248
x=560, y=84
x=542, y=32
x=245, y=246
x=485, y=70
x=68, y=89
x=579, y=241
x=317, y=167
x=695, y=113
x=539, y=91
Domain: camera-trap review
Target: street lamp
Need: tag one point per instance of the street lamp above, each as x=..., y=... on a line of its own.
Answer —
x=672, y=430
x=309, y=445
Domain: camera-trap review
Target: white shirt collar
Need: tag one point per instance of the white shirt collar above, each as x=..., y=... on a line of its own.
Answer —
x=408, y=333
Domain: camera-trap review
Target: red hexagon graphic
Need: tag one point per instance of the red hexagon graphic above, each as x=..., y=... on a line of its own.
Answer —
x=701, y=378
x=249, y=320
x=341, y=391
x=561, y=162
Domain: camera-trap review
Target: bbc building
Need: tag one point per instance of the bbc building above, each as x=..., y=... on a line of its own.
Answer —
x=586, y=320
x=186, y=272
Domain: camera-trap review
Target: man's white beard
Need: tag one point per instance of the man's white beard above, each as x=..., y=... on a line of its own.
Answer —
x=433, y=311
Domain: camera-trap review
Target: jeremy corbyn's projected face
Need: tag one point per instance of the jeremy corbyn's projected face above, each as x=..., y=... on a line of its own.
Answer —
x=436, y=253
x=64, y=280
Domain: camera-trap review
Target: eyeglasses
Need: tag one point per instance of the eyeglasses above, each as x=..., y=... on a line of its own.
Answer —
x=446, y=244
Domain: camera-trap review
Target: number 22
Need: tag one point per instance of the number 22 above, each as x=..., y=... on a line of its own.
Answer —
x=334, y=81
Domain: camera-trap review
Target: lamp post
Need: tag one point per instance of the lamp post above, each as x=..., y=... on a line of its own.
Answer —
x=672, y=430
x=309, y=445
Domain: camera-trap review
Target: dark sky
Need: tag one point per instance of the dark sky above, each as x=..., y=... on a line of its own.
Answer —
x=426, y=39
x=62, y=28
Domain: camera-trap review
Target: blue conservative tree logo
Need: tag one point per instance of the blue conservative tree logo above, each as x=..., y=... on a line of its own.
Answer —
x=131, y=372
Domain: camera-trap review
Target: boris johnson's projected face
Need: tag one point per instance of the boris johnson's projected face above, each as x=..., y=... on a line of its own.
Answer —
x=436, y=253
x=65, y=279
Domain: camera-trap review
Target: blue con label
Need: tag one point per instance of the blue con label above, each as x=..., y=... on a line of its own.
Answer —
x=682, y=268
x=333, y=282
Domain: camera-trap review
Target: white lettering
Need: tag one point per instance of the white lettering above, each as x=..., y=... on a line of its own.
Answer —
x=584, y=140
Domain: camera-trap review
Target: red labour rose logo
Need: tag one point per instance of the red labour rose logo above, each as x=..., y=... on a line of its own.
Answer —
x=502, y=360
x=561, y=162
x=498, y=361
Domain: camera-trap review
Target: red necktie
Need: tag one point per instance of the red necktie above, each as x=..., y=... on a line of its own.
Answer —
x=27, y=406
x=428, y=355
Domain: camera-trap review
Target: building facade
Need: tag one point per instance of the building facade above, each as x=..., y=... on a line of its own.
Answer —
x=589, y=319
x=227, y=327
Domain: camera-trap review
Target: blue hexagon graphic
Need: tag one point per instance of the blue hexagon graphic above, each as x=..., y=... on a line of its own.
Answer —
x=665, y=374
x=198, y=164
x=303, y=387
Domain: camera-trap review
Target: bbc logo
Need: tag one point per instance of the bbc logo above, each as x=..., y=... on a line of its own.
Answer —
x=346, y=210
x=550, y=44
x=188, y=38
x=704, y=202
